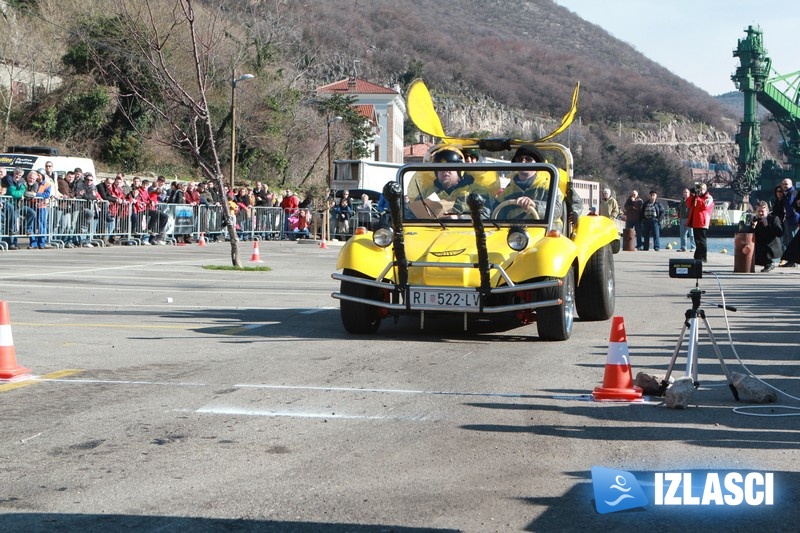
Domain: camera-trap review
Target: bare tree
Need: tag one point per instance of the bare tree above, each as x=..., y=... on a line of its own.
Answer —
x=9, y=50
x=161, y=40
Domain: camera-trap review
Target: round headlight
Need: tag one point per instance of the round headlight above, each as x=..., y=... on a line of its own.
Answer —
x=517, y=239
x=383, y=237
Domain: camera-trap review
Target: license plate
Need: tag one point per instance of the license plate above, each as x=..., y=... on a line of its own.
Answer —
x=444, y=299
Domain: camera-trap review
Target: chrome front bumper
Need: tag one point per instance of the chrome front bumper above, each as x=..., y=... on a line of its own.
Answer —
x=405, y=306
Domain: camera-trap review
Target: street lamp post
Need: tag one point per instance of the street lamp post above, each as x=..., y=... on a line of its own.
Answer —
x=234, y=81
x=326, y=229
x=333, y=120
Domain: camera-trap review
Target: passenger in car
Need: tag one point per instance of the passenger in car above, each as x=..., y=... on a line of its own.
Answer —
x=446, y=196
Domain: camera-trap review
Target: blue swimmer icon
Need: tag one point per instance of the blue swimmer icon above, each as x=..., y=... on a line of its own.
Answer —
x=616, y=490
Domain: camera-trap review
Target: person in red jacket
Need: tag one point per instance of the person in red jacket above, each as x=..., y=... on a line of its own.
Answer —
x=117, y=209
x=701, y=205
x=289, y=204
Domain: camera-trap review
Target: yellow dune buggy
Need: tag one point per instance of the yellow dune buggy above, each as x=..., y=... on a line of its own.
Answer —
x=487, y=258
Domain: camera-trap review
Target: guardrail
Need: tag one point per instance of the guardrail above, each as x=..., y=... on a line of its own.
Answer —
x=68, y=223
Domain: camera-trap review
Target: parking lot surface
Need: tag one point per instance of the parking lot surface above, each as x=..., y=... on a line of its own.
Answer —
x=169, y=397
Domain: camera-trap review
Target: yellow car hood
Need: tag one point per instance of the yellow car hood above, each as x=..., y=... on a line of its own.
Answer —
x=456, y=245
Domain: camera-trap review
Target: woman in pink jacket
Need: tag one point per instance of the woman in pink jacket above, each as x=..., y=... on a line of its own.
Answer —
x=701, y=205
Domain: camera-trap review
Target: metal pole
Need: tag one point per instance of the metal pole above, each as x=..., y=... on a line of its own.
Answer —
x=330, y=170
x=233, y=129
x=234, y=81
x=330, y=121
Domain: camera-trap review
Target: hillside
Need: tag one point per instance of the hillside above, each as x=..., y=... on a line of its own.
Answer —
x=510, y=70
x=527, y=56
x=492, y=66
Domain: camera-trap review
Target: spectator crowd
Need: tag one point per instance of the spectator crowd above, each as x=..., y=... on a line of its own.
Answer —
x=44, y=209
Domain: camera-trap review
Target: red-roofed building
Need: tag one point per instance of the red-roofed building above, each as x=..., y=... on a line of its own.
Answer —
x=383, y=107
x=414, y=153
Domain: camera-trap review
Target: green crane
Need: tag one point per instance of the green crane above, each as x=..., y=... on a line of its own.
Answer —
x=753, y=78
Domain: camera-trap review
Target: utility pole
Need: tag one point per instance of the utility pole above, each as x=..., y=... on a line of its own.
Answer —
x=234, y=81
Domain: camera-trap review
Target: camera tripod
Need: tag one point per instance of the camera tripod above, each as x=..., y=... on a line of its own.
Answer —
x=691, y=322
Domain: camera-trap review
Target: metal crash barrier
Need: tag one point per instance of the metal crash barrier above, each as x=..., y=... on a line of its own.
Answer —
x=68, y=223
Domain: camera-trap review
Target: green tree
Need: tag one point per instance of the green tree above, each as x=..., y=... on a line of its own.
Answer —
x=125, y=151
x=653, y=169
x=71, y=113
x=360, y=129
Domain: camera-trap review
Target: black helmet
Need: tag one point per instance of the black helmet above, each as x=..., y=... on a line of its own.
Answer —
x=530, y=151
x=448, y=154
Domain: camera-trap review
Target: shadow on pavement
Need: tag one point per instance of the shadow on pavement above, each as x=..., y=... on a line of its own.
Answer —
x=101, y=523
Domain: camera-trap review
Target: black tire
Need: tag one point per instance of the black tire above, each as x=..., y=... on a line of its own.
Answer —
x=596, y=294
x=555, y=323
x=358, y=318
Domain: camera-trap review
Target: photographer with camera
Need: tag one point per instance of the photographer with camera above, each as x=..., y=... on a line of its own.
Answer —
x=767, y=230
x=701, y=205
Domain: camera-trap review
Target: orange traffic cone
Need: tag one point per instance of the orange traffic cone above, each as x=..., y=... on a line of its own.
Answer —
x=9, y=369
x=323, y=244
x=256, y=258
x=202, y=240
x=618, y=378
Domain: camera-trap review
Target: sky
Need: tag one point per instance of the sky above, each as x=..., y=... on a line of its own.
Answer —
x=695, y=39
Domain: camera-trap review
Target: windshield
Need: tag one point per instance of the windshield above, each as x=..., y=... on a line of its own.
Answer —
x=511, y=192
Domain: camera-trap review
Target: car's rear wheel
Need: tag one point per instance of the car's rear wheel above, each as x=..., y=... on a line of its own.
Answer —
x=596, y=294
x=359, y=318
x=554, y=323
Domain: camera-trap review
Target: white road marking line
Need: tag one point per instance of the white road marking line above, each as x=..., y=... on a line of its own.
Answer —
x=85, y=270
x=226, y=410
x=396, y=391
x=179, y=291
x=124, y=382
x=170, y=306
x=285, y=387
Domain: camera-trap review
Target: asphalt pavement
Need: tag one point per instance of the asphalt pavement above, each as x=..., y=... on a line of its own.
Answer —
x=170, y=397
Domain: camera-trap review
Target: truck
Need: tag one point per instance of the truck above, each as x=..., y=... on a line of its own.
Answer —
x=34, y=157
x=363, y=174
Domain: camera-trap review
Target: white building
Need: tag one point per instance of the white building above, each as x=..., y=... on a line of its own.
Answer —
x=23, y=82
x=383, y=107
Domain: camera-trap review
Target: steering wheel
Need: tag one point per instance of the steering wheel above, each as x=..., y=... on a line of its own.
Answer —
x=531, y=209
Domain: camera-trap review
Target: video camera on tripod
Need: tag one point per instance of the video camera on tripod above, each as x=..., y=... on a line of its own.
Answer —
x=693, y=269
x=686, y=268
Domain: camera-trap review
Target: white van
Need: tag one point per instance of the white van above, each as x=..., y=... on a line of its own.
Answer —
x=34, y=158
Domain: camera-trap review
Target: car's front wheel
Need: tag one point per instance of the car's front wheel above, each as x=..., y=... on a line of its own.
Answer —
x=554, y=323
x=596, y=294
x=359, y=318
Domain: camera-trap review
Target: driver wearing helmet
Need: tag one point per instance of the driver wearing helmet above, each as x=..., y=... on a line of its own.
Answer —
x=453, y=186
x=530, y=190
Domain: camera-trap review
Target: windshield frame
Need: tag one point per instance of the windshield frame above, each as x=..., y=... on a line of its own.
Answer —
x=504, y=171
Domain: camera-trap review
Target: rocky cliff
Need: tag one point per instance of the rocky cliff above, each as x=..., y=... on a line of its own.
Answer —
x=689, y=141
x=685, y=140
